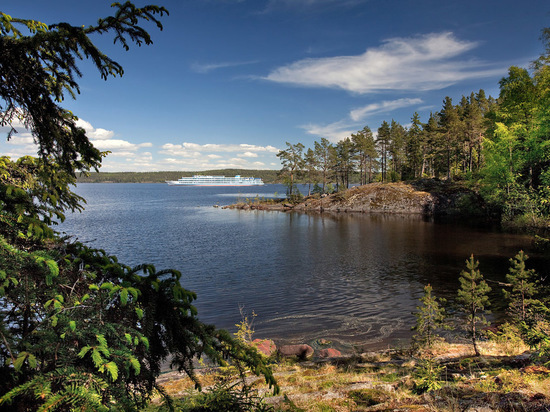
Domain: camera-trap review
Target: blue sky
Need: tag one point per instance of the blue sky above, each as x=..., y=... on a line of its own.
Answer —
x=228, y=82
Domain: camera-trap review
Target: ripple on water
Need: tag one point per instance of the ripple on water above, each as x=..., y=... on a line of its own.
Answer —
x=351, y=279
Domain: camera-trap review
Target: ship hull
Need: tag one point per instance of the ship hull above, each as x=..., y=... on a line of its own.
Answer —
x=199, y=180
x=176, y=183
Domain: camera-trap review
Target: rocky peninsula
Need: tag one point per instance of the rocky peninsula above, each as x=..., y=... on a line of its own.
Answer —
x=428, y=197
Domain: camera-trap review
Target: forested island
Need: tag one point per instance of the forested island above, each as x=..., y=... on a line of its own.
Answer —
x=80, y=330
x=498, y=148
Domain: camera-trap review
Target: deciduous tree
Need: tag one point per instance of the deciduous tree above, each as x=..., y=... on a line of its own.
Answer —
x=293, y=166
x=323, y=151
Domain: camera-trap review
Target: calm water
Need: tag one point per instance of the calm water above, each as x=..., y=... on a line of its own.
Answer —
x=352, y=279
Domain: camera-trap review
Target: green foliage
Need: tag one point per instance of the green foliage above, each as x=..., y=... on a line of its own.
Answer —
x=85, y=320
x=535, y=329
x=429, y=318
x=245, y=328
x=78, y=329
x=517, y=152
x=500, y=146
x=33, y=195
x=368, y=397
x=473, y=298
x=223, y=396
x=427, y=376
x=293, y=168
x=508, y=336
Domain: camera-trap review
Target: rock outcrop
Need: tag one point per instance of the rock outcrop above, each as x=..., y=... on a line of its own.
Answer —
x=374, y=198
x=302, y=351
x=330, y=353
x=265, y=346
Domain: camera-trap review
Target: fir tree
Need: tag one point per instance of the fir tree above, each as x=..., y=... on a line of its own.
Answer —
x=78, y=329
x=473, y=297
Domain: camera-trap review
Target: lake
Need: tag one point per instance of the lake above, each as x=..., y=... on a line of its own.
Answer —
x=353, y=279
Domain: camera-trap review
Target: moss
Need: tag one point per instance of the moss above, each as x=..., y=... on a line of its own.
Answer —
x=368, y=397
x=390, y=377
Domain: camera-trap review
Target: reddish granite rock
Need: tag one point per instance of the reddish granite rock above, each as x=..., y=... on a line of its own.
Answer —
x=301, y=351
x=265, y=346
x=329, y=353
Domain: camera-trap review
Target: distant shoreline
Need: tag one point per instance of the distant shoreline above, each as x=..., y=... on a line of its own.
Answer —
x=268, y=176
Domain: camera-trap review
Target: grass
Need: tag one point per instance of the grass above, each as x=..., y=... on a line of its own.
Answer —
x=386, y=381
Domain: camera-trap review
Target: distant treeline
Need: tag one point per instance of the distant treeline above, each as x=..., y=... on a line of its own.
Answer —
x=268, y=176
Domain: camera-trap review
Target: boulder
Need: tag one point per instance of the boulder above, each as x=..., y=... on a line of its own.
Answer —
x=329, y=353
x=302, y=351
x=265, y=346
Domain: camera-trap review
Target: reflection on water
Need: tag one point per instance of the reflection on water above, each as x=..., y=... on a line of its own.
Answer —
x=349, y=278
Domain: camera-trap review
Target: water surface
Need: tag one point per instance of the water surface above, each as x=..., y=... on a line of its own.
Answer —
x=353, y=279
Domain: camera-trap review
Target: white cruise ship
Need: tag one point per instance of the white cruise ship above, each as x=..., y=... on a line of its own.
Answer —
x=200, y=180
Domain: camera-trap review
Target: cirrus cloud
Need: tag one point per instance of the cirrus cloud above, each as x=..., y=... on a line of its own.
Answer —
x=382, y=107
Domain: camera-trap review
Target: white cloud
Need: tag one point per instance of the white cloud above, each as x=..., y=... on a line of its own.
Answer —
x=341, y=129
x=127, y=156
x=93, y=133
x=22, y=139
x=124, y=154
x=188, y=149
x=334, y=131
x=248, y=154
x=382, y=107
x=114, y=145
x=206, y=68
x=194, y=156
x=21, y=142
x=417, y=63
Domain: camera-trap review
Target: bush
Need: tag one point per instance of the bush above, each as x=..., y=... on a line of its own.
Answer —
x=427, y=377
x=222, y=397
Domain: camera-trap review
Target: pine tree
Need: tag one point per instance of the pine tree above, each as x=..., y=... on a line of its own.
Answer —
x=383, y=141
x=415, y=147
x=365, y=150
x=397, y=150
x=429, y=318
x=523, y=286
x=451, y=129
x=473, y=297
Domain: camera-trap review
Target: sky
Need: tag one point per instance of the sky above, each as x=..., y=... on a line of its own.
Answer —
x=227, y=83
